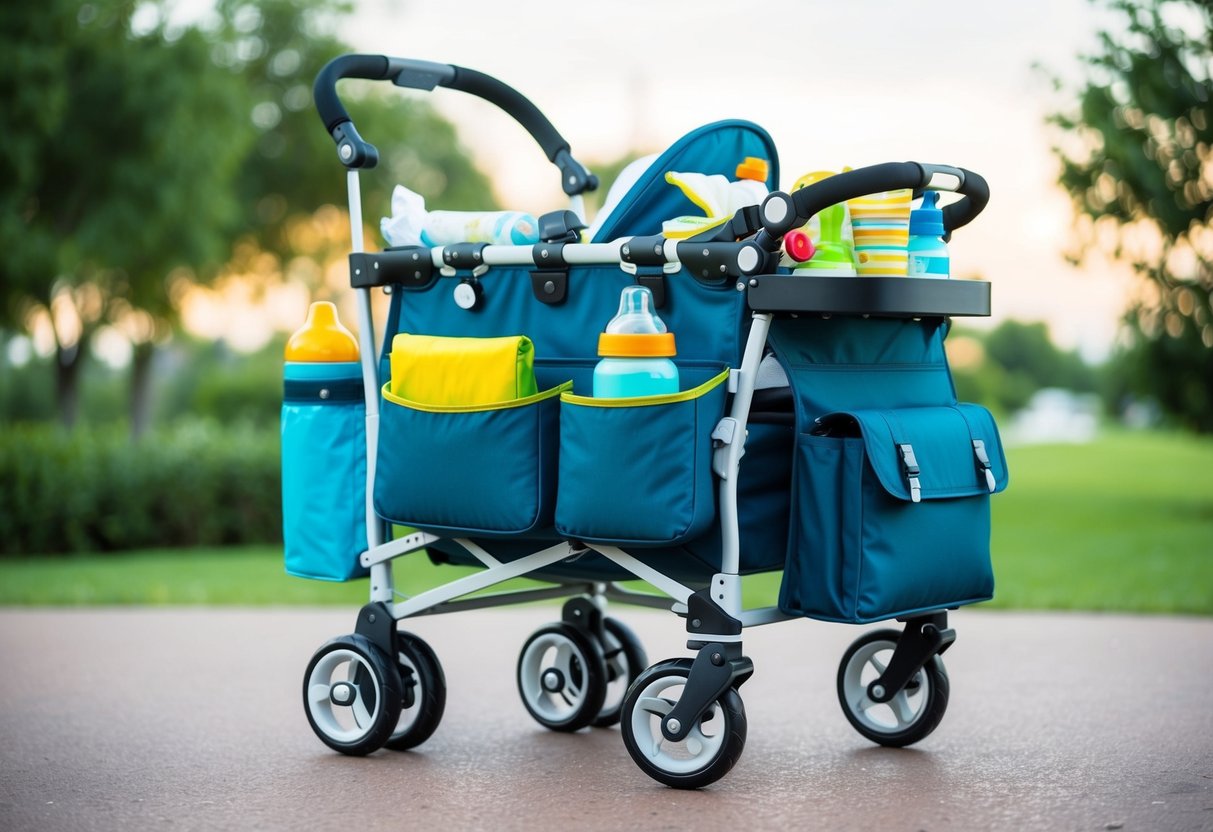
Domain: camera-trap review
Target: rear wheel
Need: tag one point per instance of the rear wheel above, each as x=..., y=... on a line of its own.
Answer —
x=625, y=660
x=423, y=693
x=352, y=695
x=562, y=677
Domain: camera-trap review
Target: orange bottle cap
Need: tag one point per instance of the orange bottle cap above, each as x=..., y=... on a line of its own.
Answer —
x=753, y=168
x=322, y=338
x=636, y=345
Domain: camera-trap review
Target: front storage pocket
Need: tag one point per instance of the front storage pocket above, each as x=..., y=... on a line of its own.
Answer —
x=324, y=471
x=484, y=469
x=891, y=513
x=639, y=471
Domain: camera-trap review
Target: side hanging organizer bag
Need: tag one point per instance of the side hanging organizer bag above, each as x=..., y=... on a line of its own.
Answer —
x=891, y=513
x=324, y=470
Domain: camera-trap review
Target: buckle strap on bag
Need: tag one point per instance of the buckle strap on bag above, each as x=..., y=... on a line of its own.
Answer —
x=909, y=465
x=983, y=463
x=979, y=452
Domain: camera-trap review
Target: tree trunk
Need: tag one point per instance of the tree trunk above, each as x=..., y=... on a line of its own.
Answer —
x=67, y=382
x=141, y=388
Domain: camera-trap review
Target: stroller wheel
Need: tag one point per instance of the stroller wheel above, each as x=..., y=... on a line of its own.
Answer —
x=423, y=687
x=562, y=677
x=625, y=659
x=906, y=718
x=707, y=753
x=352, y=695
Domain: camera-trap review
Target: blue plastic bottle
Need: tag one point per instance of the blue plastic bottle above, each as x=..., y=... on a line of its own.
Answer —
x=927, y=252
x=636, y=349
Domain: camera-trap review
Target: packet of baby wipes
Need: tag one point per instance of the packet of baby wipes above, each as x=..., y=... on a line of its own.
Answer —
x=411, y=225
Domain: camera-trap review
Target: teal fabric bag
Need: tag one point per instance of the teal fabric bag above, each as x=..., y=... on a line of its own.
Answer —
x=463, y=471
x=324, y=471
x=892, y=513
x=638, y=472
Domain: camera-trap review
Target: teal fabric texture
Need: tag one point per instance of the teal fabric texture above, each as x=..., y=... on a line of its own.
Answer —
x=639, y=475
x=324, y=471
x=489, y=471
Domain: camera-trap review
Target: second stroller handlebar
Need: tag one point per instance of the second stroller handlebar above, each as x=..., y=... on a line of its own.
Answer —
x=782, y=212
x=355, y=152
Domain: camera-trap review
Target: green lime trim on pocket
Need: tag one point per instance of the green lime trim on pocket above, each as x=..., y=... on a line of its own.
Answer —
x=559, y=390
x=644, y=401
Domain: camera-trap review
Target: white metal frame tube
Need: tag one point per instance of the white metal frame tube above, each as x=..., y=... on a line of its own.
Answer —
x=740, y=413
x=382, y=586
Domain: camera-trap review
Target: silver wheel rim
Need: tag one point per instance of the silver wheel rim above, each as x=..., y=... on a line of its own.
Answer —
x=544, y=657
x=342, y=721
x=891, y=717
x=408, y=716
x=696, y=751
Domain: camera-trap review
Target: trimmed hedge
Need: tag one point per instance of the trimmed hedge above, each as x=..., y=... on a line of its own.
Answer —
x=195, y=484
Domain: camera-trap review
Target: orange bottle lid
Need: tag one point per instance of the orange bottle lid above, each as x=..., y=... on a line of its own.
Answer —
x=753, y=168
x=636, y=345
x=322, y=337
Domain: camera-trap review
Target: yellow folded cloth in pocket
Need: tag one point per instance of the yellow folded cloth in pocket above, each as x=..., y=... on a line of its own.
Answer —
x=432, y=369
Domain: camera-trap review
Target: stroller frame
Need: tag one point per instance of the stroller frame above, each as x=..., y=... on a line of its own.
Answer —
x=390, y=672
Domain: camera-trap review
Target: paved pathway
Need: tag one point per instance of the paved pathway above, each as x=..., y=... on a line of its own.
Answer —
x=191, y=719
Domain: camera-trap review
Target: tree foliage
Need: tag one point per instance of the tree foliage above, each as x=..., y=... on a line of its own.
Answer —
x=1137, y=160
x=106, y=161
x=144, y=155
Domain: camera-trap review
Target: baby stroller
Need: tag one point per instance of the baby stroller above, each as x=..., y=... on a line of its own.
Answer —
x=816, y=433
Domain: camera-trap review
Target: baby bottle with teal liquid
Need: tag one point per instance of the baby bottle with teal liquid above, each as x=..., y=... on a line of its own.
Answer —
x=636, y=349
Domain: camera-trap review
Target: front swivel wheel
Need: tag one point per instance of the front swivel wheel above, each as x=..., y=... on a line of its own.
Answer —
x=913, y=713
x=707, y=753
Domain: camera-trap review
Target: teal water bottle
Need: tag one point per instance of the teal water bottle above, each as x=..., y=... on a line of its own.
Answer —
x=636, y=349
x=927, y=252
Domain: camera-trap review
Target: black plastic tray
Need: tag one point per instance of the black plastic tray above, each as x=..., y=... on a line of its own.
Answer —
x=888, y=297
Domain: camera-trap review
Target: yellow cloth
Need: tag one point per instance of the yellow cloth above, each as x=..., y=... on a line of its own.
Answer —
x=431, y=369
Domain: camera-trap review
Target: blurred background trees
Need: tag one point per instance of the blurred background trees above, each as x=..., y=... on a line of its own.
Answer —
x=146, y=157
x=1137, y=156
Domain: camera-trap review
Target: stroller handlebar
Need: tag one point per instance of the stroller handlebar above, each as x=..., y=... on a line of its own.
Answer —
x=782, y=212
x=355, y=152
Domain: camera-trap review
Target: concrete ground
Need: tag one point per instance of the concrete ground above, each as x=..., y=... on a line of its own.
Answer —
x=192, y=719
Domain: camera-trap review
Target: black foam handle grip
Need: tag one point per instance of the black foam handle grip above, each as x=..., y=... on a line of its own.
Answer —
x=512, y=102
x=891, y=176
x=324, y=90
x=976, y=195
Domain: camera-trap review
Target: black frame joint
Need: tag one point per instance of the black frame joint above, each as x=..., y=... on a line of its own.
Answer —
x=706, y=617
x=467, y=256
x=408, y=266
x=378, y=626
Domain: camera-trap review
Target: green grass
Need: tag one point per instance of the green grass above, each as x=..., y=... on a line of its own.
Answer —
x=1122, y=524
